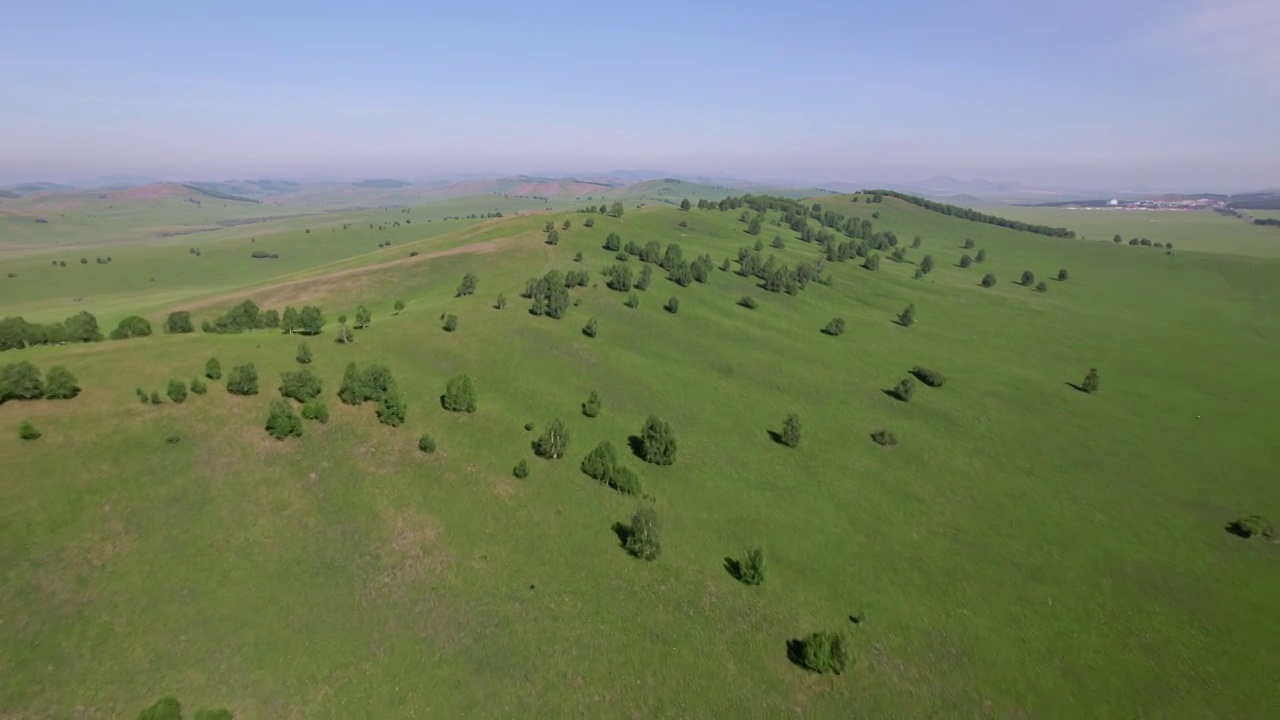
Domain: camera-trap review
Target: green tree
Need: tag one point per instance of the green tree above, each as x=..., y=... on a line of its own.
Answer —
x=82, y=327
x=392, y=407
x=600, y=462
x=591, y=328
x=642, y=536
x=1062, y=275
x=905, y=389
x=301, y=385
x=1091, y=381
x=521, y=469
x=591, y=408
x=344, y=336
x=363, y=317
x=460, y=394
x=916, y=243
x=304, y=354
x=908, y=316
x=551, y=445
x=673, y=305
x=1117, y=239
x=59, y=384
x=926, y=264
x=825, y=652
x=131, y=327
x=282, y=421
x=316, y=409
x=968, y=244
x=20, y=381
x=753, y=227
x=657, y=442
x=351, y=390
x=613, y=242
x=451, y=323
x=790, y=435
x=872, y=262
x=398, y=307
x=213, y=369
x=177, y=391
x=616, y=209
x=932, y=378
x=835, y=327
x=685, y=204
x=1028, y=278
x=988, y=280
x=155, y=398
x=291, y=320
x=981, y=256
x=899, y=254
x=566, y=225
x=553, y=237
x=577, y=257
x=965, y=261
x=270, y=319
x=311, y=320
x=243, y=380
x=1042, y=286
x=750, y=569
x=427, y=444
x=198, y=387
x=501, y=301
x=633, y=301
x=27, y=431
x=179, y=322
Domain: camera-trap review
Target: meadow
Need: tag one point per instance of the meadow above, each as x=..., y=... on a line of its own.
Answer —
x=1026, y=550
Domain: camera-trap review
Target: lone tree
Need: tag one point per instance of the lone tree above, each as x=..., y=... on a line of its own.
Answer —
x=673, y=305
x=363, y=317
x=554, y=440
x=616, y=209
x=398, y=307
x=872, y=262
x=750, y=569
x=290, y=321
x=835, y=327
x=59, y=384
x=591, y=408
x=1028, y=278
x=657, y=442
x=282, y=421
x=177, y=391
x=304, y=354
x=685, y=204
x=243, y=380
x=1062, y=275
x=790, y=435
x=988, y=280
x=521, y=470
x=460, y=394
x=642, y=536
x=753, y=227
x=825, y=652
x=427, y=444
x=926, y=264
x=344, y=336
x=553, y=237
x=1042, y=286
x=613, y=242
x=1091, y=381
x=468, y=284
x=633, y=301
x=591, y=328
x=213, y=369
x=907, y=317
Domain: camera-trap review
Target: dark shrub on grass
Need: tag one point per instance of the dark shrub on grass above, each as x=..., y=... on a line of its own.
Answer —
x=391, y=408
x=591, y=328
x=20, y=381
x=155, y=398
x=1028, y=278
x=460, y=394
x=177, y=391
x=1042, y=287
x=451, y=323
x=642, y=538
x=591, y=408
x=282, y=422
x=1090, y=384
x=551, y=445
x=968, y=244
x=885, y=438
x=521, y=469
x=932, y=378
x=198, y=387
x=1062, y=275
x=316, y=409
x=600, y=462
x=907, y=317
x=748, y=302
x=790, y=435
x=59, y=384
x=835, y=327
x=243, y=380
x=673, y=305
x=751, y=568
x=657, y=442
x=1253, y=525
x=301, y=385
x=825, y=652
x=131, y=327
x=213, y=369
x=304, y=354
x=965, y=261
x=981, y=256
x=427, y=444
x=27, y=431
x=872, y=262
x=905, y=388
x=988, y=280
x=179, y=322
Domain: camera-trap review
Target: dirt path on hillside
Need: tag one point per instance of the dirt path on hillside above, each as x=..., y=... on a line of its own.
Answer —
x=295, y=290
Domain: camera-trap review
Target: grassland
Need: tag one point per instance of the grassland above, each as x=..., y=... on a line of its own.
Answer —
x=1027, y=551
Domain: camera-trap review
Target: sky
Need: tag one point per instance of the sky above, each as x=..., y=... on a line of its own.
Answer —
x=1074, y=93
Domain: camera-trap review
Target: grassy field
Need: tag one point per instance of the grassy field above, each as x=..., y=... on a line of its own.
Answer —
x=1026, y=551
x=1200, y=230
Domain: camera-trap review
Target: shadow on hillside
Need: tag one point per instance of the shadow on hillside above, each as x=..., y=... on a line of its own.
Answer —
x=1237, y=528
x=776, y=437
x=795, y=653
x=893, y=393
x=734, y=568
x=637, y=446
x=1077, y=388
x=623, y=532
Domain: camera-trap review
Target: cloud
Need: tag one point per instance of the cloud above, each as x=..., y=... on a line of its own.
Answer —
x=1236, y=40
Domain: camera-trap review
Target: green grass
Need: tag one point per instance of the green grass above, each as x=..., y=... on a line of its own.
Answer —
x=1027, y=550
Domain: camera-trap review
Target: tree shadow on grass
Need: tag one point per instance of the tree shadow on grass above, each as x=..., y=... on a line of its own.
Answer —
x=893, y=393
x=795, y=653
x=623, y=531
x=776, y=437
x=734, y=568
x=637, y=446
x=1077, y=388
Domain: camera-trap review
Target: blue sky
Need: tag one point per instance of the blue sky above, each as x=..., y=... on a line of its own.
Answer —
x=1079, y=92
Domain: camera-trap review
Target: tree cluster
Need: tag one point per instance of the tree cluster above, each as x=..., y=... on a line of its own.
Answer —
x=550, y=294
x=975, y=216
x=602, y=464
x=374, y=384
x=17, y=333
x=459, y=394
x=22, y=381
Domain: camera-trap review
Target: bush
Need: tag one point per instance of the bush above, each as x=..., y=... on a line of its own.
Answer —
x=316, y=409
x=501, y=302
x=155, y=398
x=427, y=444
x=904, y=389
x=1028, y=278
x=551, y=445
x=673, y=305
x=790, y=435
x=908, y=316
x=835, y=327
x=213, y=369
x=1062, y=275
x=460, y=394
x=198, y=387
x=282, y=422
x=304, y=354
x=1042, y=287
x=591, y=408
x=968, y=244
x=884, y=437
x=177, y=391
x=179, y=322
x=600, y=462
x=872, y=262
x=642, y=536
x=521, y=470
x=451, y=323
x=1090, y=384
x=988, y=280
x=613, y=242
x=825, y=652
x=965, y=261
x=130, y=327
x=243, y=380
x=750, y=569
x=468, y=285
x=932, y=378
x=20, y=381
x=633, y=301
x=1251, y=525
x=391, y=408
x=591, y=328
x=27, y=431
x=302, y=385
x=657, y=442
x=59, y=384
x=748, y=302
x=981, y=256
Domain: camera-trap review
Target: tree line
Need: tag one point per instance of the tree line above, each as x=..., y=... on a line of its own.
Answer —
x=975, y=216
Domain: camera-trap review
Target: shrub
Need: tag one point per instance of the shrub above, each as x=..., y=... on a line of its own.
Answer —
x=521, y=470
x=790, y=435
x=551, y=445
x=577, y=257
x=27, y=431
x=926, y=265
x=155, y=398
x=591, y=328
x=460, y=394
x=968, y=244
x=751, y=568
x=213, y=369
x=835, y=327
x=468, y=285
x=20, y=381
x=177, y=391
x=624, y=481
x=932, y=378
x=243, y=380
x=398, y=307
x=899, y=254
x=591, y=408
x=302, y=385
x=988, y=280
x=391, y=408
x=657, y=442
x=130, y=327
x=304, y=354
x=501, y=301
x=1062, y=275
x=59, y=384
x=1042, y=287
x=872, y=262
x=907, y=317
x=1251, y=525
x=282, y=422
x=825, y=652
x=884, y=437
x=642, y=536
x=451, y=323
x=1090, y=384
x=198, y=387
x=316, y=409
x=179, y=322
x=965, y=261
x=167, y=708
x=613, y=242
x=633, y=301
x=1028, y=278
x=600, y=462
x=673, y=305
x=905, y=388
x=981, y=256
x=748, y=302
x=427, y=444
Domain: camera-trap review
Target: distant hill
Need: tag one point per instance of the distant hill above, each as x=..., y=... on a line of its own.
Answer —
x=382, y=183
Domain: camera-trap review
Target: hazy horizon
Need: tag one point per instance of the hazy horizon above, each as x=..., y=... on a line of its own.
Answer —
x=1086, y=94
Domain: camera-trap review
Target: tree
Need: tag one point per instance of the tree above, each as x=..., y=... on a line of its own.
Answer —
x=988, y=280
x=646, y=274
x=591, y=408
x=551, y=445
x=311, y=320
x=916, y=243
x=657, y=442
x=451, y=323
x=27, y=431
x=835, y=327
x=753, y=227
x=673, y=305
x=553, y=237
x=427, y=444
x=398, y=307
x=899, y=254
x=981, y=256
x=790, y=435
x=965, y=261
x=177, y=391
x=468, y=285
x=1091, y=381
x=178, y=322
x=1028, y=278
x=59, y=384
x=460, y=394
x=270, y=319
x=908, y=316
x=968, y=244
x=1042, y=286
x=363, y=317
x=213, y=369
x=591, y=328
x=198, y=387
x=20, y=381
x=759, y=245
x=926, y=264
x=642, y=537
x=344, y=337
x=82, y=327
x=1062, y=275
x=549, y=226
x=166, y=708
x=521, y=470
x=589, y=222
x=566, y=225
x=282, y=421
x=351, y=390
x=243, y=380
x=615, y=209
x=685, y=204
x=613, y=242
x=391, y=407
x=316, y=409
x=633, y=301
x=600, y=462
x=131, y=327
x=301, y=385
x=825, y=652
x=750, y=569
x=905, y=389
x=1117, y=239
x=577, y=257
x=872, y=262
x=748, y=302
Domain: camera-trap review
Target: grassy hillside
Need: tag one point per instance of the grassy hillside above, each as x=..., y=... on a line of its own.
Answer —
x=1027, y=550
